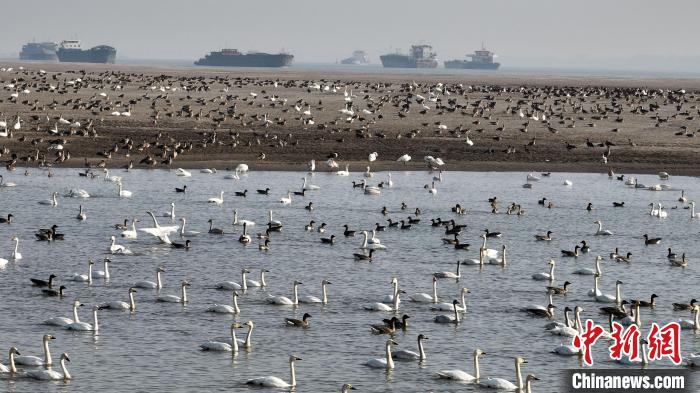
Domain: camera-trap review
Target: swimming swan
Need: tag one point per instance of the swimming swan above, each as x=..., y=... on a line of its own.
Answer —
x=118, y=305
x=150, y=284
x=502, y=384
x=63, y=321
x=285, y=301
x=230, y=285
x=213, y=345
x=313, y=299
x=600, y=229
x=387, y=362
x=176, y=299
x=84, y=326
x=274, y=382
x=410, y=355
x=450, y=306
x=459, y=375
x=424, y=297
x=36, y=361
x=225, y=308
x=52, y=375
x=546, y=276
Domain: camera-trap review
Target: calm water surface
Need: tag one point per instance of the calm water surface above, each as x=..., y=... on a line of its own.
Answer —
x=156, y=348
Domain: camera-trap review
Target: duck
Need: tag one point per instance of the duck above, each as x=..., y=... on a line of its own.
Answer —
x=684, y=306
x=560, y=290
x=573, y=254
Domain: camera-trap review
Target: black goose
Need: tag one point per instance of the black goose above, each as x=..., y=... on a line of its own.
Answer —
x=492, y=234
x=364, y=257
x=7, y=220
x=183, y=189
x=214, y=231
x=404, y=225
x=568, y=253
x=617, y=312
x=347, y=232
x=461, y=246
x=671, y=255
x=453, y=231
x=648, y=241
x=584, y=247
x=651, y=303
x=684, y=306
x=544, y=238
x=589, y=207
x=328, y=240
x=309, y=207
x=379, y=228
x=392, y=224
x=54, y=292
x=301, y=193
x=447, y=240
x=303, y=322
x=122, y=227
x=624, y=258
x=399, y=324
x=618, y=204
x=385, y=211
x=185, y=245
x=43, y=283
x=264, y=192
x=241, y=194
x=560, y=291
x=384, y=329
x=413, y=220
x=542, y=201
x=435, y=222
x=538, y=312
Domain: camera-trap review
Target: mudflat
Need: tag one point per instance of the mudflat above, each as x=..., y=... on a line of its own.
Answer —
x=166, y=117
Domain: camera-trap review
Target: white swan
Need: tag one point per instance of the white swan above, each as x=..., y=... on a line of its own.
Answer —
x=225, y=308
x=314, y=299
x=3, y=183
x=366, y=245
x=595, y=291
x=566, y=330
x=475, y=262
x=113, y=179
x=183, y=232
x=449, y=274
x=586, y=271
x=119, y=305
x=374, y=239
x=84, y=326
x=150, y=284
x=546, y=276
x=390, y=182
x=286, y=200
x=182, y=172
x=52, y=375
x=12, y=369
x=285, y=301
x=386, y=362
x=605, y=298
x=459, y=375
x=449, y=318
x=122, y=192
x=216, y=200
x=84, y=277
x=261, y=283
x=693, y=324
x=63, y=321
x=231, y=285
x=503, y=384
x=404, y=354
x=37, y=361
x=176, y=299
x=219, y=346
x=238, y=222
x=15, y=253
x=102, y=273
x=158, y=231
x=346, y=172
x=306, y=187
x=395, y=300
x=131, y=234
x=115, y=248
x=692, y=211
x=488, y=252
x=171, y=213
x=450, y=306
x=81, y=214
x=274, y=382
x=600, y=231
x=51, y=202
x=424, y=297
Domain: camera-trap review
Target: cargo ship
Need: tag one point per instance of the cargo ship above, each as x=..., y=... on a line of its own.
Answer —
x=39, y=51
x=480, y=60
x=421, y=56
x=358, y=57
x=71, y=51
x=235, y=58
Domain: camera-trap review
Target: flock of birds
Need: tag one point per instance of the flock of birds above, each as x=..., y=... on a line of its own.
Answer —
x=267, y=122
x=615, y=307
x=93, y=114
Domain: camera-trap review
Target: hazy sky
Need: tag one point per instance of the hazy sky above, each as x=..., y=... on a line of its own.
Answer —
x=522, y=32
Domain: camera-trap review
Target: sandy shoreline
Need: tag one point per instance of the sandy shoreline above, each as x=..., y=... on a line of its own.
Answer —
x=218, y=118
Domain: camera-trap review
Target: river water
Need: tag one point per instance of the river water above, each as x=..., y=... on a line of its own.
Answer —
x=156, y=347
